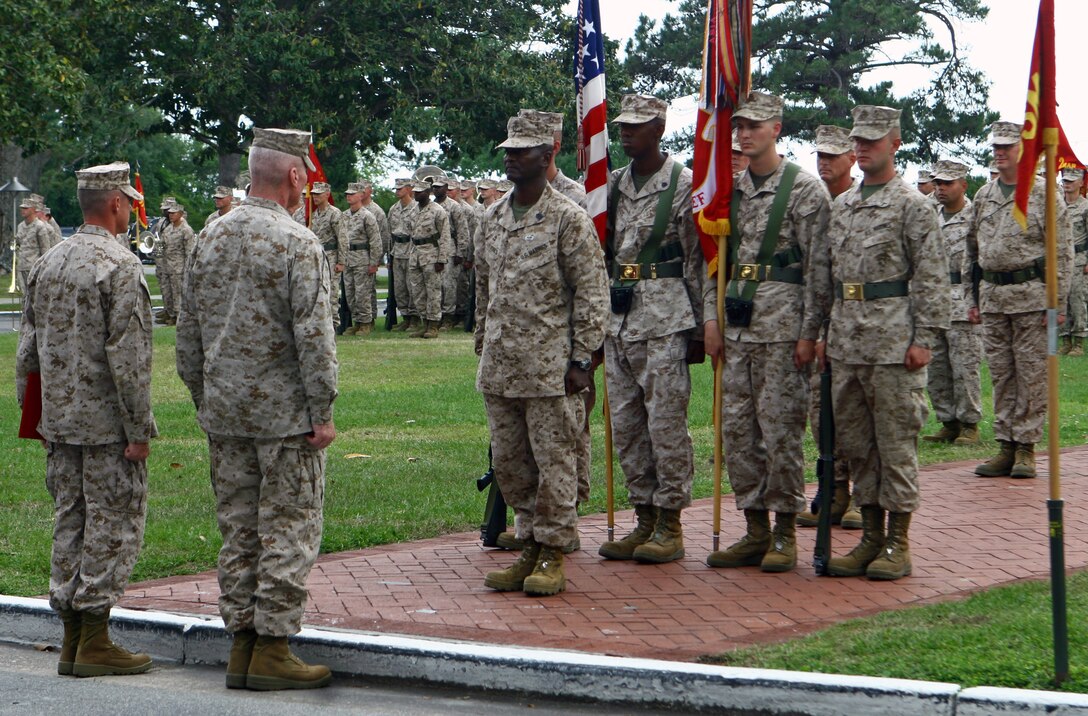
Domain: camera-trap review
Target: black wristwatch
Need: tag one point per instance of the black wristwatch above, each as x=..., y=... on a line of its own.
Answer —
x=582, y=364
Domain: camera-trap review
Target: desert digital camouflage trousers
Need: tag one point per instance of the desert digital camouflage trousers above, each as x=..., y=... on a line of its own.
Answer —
x=764, y=400
x=170, y=296
x=955, y=383
x=451, y=279
x=334, y=289
x=425, y=285
x=1016, y=351
x=269, y=496
x=842, y=469
x=533, y=453
x=100, y=504
x=879, y=410
x=648, y=390
x=401, y=290
x=1076, y=312
x=359, y=292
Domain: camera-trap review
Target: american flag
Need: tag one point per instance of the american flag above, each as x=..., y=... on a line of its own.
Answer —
x=592, y=112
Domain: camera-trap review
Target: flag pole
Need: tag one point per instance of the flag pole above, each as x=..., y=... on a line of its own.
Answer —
x=608, y=473
x=720, y=278
x=1054, y=504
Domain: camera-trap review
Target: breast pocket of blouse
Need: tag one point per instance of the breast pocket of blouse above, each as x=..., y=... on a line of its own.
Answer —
x=882, y=254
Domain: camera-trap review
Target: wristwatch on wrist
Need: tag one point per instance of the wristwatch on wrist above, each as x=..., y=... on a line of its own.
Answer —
x=582, y=364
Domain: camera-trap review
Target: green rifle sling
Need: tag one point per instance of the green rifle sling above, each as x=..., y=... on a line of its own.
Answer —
x=770, y=236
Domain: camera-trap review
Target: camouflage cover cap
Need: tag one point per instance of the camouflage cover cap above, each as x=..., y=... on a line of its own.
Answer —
x=924, y=176
x=949, y=170
x=641, y=108
x=222, y=192
x=736, y=142
x=176, y=208
x=759, y=107
x=874, y=122
x=244, y=178
x=554, y=120
x=289, y=141
x=486, y=184
x=467, y=185
x=420, y=185
x=1072, y=174
x=320, y=187
x=439, y=181
x=992, y=167
x=354, y=187
x=505, y=185
x=401, y=182
x=1005, y=133
x=524, y=132
x=105, y=177
x=28, y=203
x=167, y=202
x=831, y=139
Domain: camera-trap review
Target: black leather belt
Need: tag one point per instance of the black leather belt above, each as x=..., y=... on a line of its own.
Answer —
x=359, y=245
x=401, y=239
x=1011, y=278
x=331, y=246
x=433, y=240
x=766, y=272
x=641, y=272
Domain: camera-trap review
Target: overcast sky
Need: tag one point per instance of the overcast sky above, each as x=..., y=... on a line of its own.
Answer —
x=1000, y=47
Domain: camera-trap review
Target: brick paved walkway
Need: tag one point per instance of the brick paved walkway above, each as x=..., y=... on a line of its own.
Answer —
x=971, y=533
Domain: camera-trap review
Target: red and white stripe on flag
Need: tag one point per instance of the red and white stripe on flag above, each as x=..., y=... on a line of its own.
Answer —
x=592, y=112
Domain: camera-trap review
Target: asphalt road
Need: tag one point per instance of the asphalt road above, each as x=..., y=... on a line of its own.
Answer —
x=29, y=685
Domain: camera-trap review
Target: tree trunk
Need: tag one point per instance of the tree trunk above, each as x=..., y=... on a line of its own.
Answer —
x=230, y=165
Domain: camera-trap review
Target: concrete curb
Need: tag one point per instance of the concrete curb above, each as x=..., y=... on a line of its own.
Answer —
x=554, y=673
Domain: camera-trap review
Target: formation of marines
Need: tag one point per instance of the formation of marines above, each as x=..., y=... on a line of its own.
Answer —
x=889, y=283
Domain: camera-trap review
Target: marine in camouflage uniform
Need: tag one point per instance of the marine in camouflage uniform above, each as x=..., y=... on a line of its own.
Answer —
x=383, y=231
x=540, y=313
x=177, y=238
x=259, y=358
x=432, y=248
x=400, y=220
x=222, y=198
x=86, y=329
x=889, y=279
x=325, y=223
x=361, y=236
x=1011, y=303
x=33, y=239
x=459, y=233
x=647, y=345
x=765, y=375
x=834, y=161
x=1075, y=328
x=955, y=383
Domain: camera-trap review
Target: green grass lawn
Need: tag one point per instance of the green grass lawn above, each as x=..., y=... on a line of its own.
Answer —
x=411, y=408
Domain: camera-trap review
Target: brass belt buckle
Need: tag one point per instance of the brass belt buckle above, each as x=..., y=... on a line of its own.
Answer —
x=748, y=272
x=630, y=272
x=853, y=291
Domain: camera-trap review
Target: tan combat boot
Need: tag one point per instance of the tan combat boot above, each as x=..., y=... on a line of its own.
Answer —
x=949, y=432
x=857, y=561
x=894, y=560
x=72, y=621
x=365, y=329
x=751, y=548
x=1023, y=461
x=968, y=434
x=625, y=548
x=432, y=330
x=241, y=653
x=851, y=519
x=512, y=579
x=667, y=542
x=273, y=667
x=416, y=327
x=403, y=324
x=350, y=331
x=507, y=540
x=840, y=500
x=1077, y=351
x=547, y=577
x=1001, y=464
x=1067, y=345
x=782, y=554
x=98, y=656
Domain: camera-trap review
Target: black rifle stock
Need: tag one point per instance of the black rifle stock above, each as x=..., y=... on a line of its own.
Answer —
x=495, y=509
x=825, y=473
x=390, y=301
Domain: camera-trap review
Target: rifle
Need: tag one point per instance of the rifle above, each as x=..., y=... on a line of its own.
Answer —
x=495, y=510
x=345, y=312
x=470, y=309
x=390, y=301
x=825, y=474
